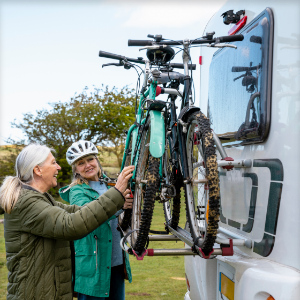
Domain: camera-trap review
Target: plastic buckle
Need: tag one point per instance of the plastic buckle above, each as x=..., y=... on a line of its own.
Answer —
x=140, y=257
x=227, y=250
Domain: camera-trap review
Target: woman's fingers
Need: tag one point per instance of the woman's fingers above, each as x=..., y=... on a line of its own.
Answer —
x=127, y=193
x=128, y=203
x=123, y=178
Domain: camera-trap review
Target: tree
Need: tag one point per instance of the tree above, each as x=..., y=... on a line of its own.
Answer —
x=8, y=155
x=102, y=116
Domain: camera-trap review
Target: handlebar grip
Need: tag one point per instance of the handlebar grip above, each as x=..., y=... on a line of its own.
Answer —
x=139, y=43
x=110, y=55
x=231, y=38
x=180, y=66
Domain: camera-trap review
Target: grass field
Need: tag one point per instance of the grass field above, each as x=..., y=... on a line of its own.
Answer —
x=153, y=278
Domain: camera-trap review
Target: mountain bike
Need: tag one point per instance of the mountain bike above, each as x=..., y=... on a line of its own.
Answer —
x=171, y=150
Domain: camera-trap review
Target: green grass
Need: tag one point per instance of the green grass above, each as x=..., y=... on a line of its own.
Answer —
x=3, y=269
x=158, y=277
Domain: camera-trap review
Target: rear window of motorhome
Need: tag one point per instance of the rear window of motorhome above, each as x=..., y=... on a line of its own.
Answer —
x=240, y=85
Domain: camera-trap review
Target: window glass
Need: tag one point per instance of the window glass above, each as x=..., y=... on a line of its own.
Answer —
x=240, y=85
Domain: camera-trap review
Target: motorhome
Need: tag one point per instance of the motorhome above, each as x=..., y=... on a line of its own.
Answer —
x=252, y=97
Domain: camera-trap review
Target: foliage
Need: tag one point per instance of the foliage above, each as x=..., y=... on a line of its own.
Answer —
x=8, y=155
x=100, y=116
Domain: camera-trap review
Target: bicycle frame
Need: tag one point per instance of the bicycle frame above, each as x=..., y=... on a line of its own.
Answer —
x=157, y=139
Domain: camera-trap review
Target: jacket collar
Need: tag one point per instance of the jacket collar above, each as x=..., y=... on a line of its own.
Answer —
x=28, y=187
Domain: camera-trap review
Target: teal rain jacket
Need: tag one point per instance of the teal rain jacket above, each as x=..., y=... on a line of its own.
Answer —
x=93, y=252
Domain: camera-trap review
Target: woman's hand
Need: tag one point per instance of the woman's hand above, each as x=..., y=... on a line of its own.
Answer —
x=123, y=178
x=128, y=199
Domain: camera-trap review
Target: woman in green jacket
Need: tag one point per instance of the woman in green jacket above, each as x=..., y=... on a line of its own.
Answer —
x=100, y=264
x=37, y=229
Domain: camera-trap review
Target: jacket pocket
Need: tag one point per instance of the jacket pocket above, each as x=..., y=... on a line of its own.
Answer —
x=85, y=261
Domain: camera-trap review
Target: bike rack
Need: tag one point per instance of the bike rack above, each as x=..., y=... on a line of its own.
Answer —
x=226, y=244
x=163, y=237
x=227, y=162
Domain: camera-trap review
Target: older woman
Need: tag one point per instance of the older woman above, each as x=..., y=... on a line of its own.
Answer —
x=38, y=229
x=100, y=263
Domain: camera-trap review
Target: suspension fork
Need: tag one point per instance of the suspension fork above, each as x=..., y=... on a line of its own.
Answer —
x=187, y=78
x=183, y=155
x=174, y=154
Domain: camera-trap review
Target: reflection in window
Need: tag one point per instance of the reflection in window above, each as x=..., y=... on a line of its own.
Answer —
x=239, y=85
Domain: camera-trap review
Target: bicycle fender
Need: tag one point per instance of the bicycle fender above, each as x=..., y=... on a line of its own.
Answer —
x=157, y=134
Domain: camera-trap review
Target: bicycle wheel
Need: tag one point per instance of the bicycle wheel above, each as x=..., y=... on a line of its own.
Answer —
x=172, y=177
x=124, y=219
x=202, y=199
x=146, y=185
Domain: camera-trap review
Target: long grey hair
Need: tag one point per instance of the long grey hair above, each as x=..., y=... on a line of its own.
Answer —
x=31, y=156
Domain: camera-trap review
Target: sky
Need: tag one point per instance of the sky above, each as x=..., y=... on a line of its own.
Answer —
x=49, y=50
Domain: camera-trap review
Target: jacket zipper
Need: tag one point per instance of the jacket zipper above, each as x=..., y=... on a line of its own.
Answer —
x=96, y=238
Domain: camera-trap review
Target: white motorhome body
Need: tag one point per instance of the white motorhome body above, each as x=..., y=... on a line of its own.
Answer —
x=261, y=203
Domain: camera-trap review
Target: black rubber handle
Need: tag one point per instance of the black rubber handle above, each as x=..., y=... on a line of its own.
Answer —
x=111, y=55
x=231, y=38
x=120, y=57
x=180, y=66
x=139, y=43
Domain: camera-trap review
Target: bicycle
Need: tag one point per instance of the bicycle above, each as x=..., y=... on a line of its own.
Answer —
x=171, y=151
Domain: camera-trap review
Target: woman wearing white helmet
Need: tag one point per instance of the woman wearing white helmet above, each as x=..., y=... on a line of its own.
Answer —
x=100, y=264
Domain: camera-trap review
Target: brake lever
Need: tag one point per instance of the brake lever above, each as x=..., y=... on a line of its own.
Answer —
x=222, y=46
x=153, y=47
x=122, y=63
x=113, y=64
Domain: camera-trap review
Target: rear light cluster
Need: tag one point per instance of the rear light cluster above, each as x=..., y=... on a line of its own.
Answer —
x=238, y=26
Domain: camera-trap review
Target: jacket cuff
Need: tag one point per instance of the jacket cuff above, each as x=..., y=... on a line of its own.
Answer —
x=119, y=192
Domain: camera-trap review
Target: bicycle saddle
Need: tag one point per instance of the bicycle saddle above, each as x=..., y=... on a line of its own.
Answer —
x=160, y=56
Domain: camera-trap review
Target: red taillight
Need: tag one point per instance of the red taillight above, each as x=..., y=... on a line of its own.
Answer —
x=238, y=26
x=200, y=60
x=187, y=283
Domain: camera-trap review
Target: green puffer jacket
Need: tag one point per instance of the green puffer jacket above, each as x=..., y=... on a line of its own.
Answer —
x=92, y=256
x=36, y=239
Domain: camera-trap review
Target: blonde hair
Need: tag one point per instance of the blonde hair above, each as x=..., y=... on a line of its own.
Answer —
x=31, y=156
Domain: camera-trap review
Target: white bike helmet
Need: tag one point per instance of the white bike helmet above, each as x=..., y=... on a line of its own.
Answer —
x=80, y=149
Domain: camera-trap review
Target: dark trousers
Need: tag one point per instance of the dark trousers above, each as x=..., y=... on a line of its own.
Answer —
x=117, y=286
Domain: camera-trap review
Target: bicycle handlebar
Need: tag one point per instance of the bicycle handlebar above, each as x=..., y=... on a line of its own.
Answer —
x=221, y=39
x=140, y=43
x=140, y=61
x=120, y=57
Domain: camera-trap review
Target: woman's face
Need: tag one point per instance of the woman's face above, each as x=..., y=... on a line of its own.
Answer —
x=88, y=168
x=49, y=171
